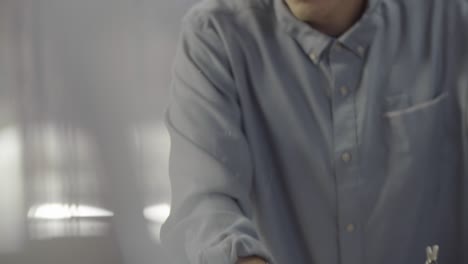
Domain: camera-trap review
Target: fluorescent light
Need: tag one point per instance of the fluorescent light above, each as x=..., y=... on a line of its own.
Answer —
x=51, y=211
x=64, y=211
x=89, y=211
x=157, y=213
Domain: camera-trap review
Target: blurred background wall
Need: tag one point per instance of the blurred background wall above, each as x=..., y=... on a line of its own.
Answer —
x=83, y=152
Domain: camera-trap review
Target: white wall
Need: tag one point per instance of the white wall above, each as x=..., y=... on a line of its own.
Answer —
x=87, y=80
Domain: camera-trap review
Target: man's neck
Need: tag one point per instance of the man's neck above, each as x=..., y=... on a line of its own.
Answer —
x=344, y=18
x=330, y=20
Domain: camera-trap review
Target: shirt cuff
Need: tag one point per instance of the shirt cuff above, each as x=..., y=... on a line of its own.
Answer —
x=234, y=247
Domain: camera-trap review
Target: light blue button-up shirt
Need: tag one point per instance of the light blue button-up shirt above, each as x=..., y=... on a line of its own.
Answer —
x=306, y=149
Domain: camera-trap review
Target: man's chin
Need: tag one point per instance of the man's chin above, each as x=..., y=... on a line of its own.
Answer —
x=306, y=12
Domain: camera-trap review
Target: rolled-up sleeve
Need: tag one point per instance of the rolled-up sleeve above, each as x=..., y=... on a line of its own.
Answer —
x=210, y=165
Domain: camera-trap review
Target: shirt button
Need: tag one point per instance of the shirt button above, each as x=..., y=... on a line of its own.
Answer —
x=229, y=133
x=360, y=50
x=350, y=228
x=313, y=56
x=344, y=90
x=346, y=157
x=338, y=46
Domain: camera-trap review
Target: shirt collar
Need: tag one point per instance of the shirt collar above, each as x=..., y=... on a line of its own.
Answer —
x=314, y=43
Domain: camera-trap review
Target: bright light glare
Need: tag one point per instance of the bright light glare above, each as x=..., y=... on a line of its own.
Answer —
x=52, y=211
x=11, y=190
x=157, y=213
x=9, y=146
x=63, y=211
x=89, y=211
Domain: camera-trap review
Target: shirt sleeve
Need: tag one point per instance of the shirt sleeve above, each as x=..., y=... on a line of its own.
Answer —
x=463, y=103
x=210, y=165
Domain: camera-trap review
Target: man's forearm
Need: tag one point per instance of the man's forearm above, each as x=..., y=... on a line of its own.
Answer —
x=251, y=260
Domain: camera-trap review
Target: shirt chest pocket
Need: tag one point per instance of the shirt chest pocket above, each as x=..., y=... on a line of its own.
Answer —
x=417, y=149
x=417, y=131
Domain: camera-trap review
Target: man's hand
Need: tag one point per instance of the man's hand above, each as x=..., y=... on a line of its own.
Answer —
x=251, y=260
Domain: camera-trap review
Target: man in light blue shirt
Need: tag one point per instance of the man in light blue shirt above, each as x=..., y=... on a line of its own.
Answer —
x=320, y=132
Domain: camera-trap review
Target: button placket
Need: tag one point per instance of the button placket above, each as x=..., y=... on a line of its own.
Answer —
x=345, y=67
